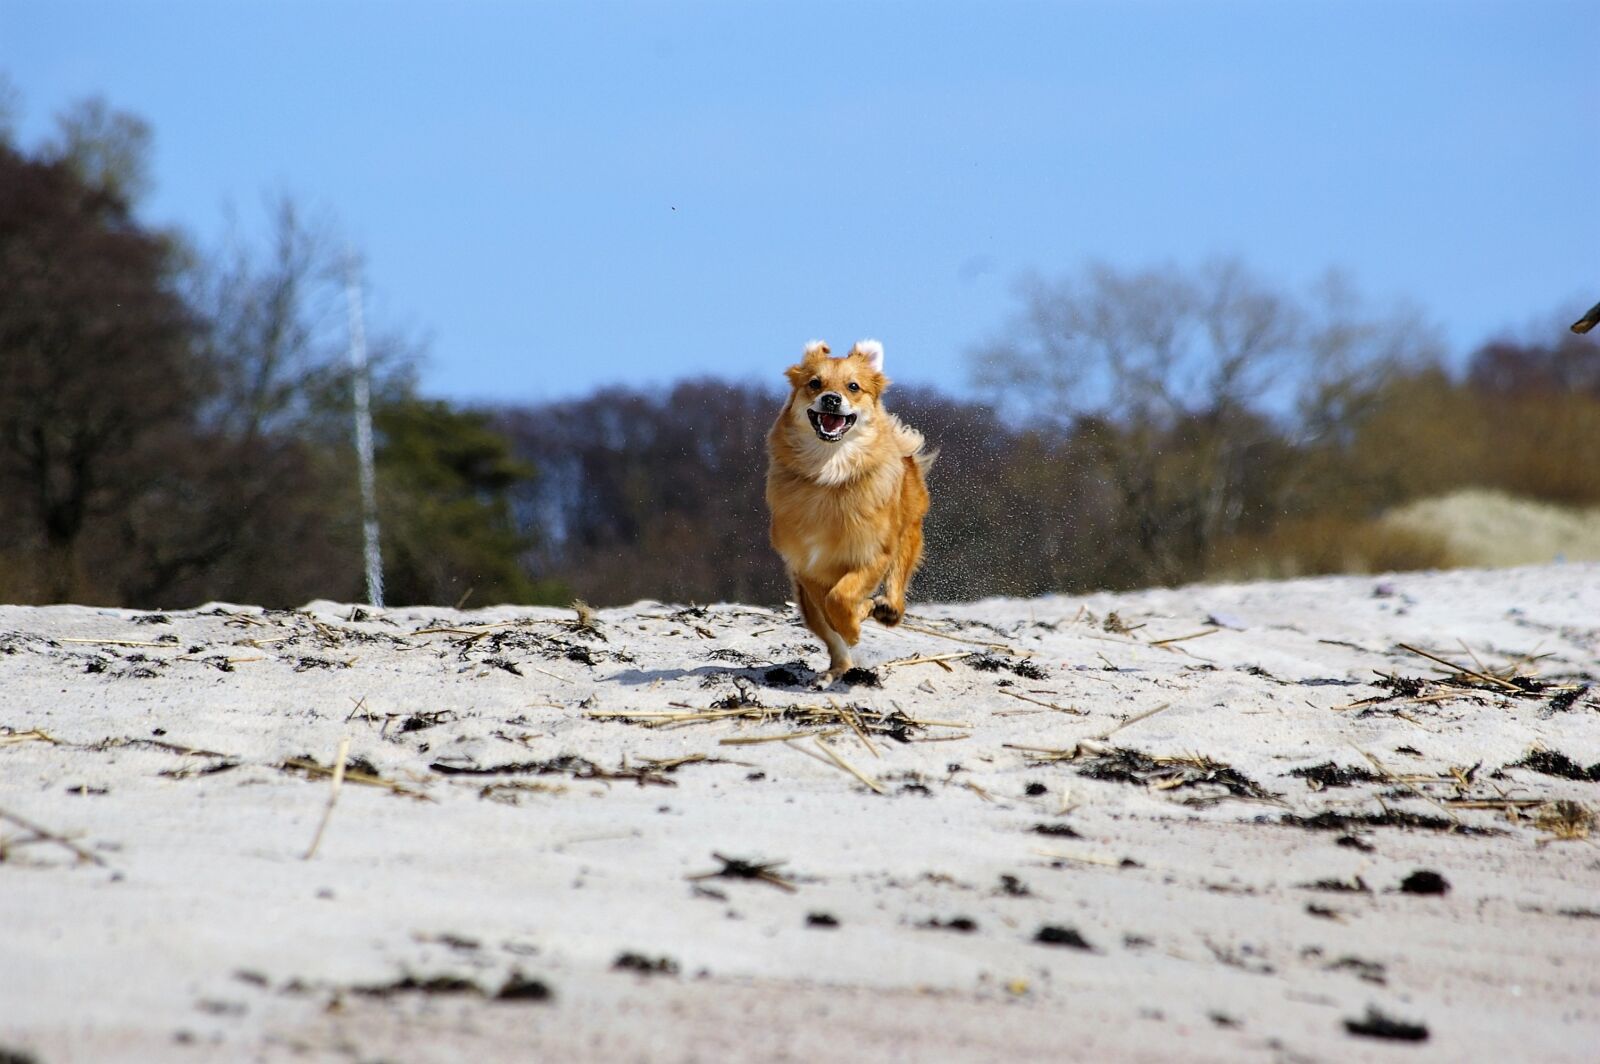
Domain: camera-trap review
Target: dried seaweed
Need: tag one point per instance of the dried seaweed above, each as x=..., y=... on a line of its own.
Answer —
x=519, y=987
x=1377, y=1025
x=424, y=719
x=1562, y=701
x=638, y=962
x=1329, y=820
x=1122, y=765
x=1425, y=881
x=1052, y=935
x=1367, y=971
x=1554, y=763
x=893, y=724
x=225, y=765
x=580, y=768
x=996, y=663
x=781, y=676
x=1328, y=774
x=1357, y=885
x=1060, y=831
x=1461, y=681
x=739, y=868
x=516, y=987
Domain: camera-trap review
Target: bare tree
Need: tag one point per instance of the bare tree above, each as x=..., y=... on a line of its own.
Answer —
x=1178, y=384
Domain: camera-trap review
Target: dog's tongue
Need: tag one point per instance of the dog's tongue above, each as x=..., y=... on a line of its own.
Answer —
x=831, y=423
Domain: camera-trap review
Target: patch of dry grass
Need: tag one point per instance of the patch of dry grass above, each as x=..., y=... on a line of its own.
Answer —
x=1321, y=545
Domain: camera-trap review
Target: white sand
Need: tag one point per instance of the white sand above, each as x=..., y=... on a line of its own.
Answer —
x=205, y=935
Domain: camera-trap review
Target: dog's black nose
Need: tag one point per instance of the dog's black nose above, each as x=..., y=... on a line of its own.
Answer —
x=830, y=402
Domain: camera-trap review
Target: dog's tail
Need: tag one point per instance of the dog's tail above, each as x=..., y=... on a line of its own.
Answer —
x=913, y=445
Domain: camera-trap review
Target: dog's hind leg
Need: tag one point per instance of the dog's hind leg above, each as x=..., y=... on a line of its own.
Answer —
x=889, y=607
x=811, y=597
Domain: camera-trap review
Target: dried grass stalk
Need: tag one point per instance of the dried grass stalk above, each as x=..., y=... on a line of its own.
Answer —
x=333, y=796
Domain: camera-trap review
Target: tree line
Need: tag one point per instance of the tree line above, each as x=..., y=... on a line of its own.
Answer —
x=1130, y=428
x=173, y=420
x=174, y=429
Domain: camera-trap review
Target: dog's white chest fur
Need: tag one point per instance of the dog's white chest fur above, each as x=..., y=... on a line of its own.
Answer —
x=835, y=463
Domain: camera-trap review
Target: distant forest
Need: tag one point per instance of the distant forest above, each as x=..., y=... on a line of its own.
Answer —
x=175, y=428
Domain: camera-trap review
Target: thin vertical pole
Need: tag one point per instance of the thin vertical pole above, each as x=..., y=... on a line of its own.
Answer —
x=363, y=413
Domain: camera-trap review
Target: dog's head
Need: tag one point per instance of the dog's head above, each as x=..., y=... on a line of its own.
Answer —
x=837, y=398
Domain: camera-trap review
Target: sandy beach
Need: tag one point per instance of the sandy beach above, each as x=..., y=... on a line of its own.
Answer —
x=1333, y=819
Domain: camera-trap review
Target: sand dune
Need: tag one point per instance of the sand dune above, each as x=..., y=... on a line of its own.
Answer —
x=1214, y=823
x=1490, y=528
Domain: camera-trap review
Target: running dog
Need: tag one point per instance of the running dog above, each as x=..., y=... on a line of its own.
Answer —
x=846, y=487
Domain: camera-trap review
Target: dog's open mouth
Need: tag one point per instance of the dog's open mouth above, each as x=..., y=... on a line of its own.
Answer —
x=830, y=427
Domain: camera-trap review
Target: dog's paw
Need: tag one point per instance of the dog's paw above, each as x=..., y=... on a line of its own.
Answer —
x=884, y=612
x=824, y=680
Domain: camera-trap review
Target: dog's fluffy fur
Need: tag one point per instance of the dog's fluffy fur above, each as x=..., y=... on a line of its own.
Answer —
x=846, y=489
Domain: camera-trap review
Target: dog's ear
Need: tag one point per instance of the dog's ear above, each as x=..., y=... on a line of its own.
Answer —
x=872, y=351
x=805, y=369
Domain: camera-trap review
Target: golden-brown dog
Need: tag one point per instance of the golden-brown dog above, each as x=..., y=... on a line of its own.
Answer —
x=846, y=490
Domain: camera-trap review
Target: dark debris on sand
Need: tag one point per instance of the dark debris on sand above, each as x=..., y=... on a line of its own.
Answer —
x=740, y=868
x=997, y=663
x=1051, y=935
x=1554, y=763
x=1063, y=831
x=1425, y=881
x=1122, y=765
x=1377, y=1025
x=1357, y=885
x=430, y=985
x=1562, y=701
x=517, y=987
x=578, y=768
x=1329, y=820
x=859, y=677
x=1328, y=774
x=643, y=965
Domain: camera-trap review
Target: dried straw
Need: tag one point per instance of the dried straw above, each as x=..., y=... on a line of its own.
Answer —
x=929, y=659
x=1488, y=678
x=333, y=796
x=36, y=735
x=41, y=834
x=751, y=740
x=987, y=643
x=845, y=765
x=1051, y=705
x=1183, y=638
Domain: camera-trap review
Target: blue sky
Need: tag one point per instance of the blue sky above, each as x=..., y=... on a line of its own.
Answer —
x=563, y=196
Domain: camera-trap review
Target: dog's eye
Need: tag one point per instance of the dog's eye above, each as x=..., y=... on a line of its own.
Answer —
x=816, y=382
x=854, y=387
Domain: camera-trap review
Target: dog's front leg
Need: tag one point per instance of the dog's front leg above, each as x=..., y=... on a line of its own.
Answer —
x=811, y=596
x=847, y=605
